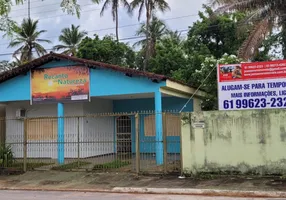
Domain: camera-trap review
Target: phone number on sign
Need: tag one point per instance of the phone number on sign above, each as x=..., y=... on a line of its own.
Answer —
x=255, y=103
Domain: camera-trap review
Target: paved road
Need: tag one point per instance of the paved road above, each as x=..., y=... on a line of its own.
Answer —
x=29, y=195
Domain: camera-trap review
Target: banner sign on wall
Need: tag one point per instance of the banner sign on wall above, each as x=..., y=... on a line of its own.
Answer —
x=60, y=84
x=258, y=85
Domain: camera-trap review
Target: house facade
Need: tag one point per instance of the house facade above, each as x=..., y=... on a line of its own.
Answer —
x=110, y=89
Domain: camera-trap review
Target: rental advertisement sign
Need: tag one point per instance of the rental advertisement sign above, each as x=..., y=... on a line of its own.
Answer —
x=259, y=85
x=60, y=84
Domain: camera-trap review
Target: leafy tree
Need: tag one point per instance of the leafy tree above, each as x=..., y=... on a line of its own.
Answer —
x=71, y=38
x=150, y=6
x=27, y=36
x=210, y=40
x=157, y=30
x=264, y=14
x=114, y=10
x=4, y=66
x=175, y=36
x=7, y=24
x=107, y=50
x=211, y=36
x=217, y=34
x=270, y=48
x=170, y=55
x=208, y=69
x=139, y=59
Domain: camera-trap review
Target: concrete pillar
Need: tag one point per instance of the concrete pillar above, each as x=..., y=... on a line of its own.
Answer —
x=61, y=134
x=159, y=128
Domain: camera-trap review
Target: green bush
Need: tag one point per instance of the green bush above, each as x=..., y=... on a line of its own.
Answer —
x=6, y=156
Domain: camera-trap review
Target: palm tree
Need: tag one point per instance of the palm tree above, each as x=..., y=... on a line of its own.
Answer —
x=264, y=14
x=151, y=6
x=27, y=36
x=174, y=36
x=71, y=38
x=114, y=11
x=157, y=30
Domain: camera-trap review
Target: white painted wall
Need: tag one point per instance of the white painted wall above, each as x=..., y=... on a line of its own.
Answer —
x=95, y=134
x=98, y=131
x=47, y=148
x=73, y=127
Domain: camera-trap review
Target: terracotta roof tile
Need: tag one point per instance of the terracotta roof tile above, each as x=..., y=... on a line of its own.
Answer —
x=89, y=63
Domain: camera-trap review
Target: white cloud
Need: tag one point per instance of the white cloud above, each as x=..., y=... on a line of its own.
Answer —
x=52, y=19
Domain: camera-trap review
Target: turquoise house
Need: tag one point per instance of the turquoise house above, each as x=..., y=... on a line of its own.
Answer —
x=112, y=89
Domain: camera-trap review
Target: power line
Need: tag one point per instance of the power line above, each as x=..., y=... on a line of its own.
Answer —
x=62, y=15
x=123, y=26
x=32, y=7
x=167, y=19
x=134, y=37
x=185, y=105
x=123, y=39
x=40, y=1
x=20, y=16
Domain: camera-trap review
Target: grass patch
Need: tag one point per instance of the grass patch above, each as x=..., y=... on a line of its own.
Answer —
x=69, y=166
x=112, y=165
x=30, y=166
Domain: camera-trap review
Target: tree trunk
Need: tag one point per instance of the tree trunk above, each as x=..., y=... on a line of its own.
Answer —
x=116, y=13
x=147, y=48
x=30, y=53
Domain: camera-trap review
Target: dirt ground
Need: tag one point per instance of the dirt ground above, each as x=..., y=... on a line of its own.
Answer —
x=109, y=180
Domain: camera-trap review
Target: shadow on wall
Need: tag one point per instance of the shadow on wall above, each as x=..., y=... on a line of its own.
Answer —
x=243, y=142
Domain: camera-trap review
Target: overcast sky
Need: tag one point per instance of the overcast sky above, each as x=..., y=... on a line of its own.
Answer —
x=51, y=18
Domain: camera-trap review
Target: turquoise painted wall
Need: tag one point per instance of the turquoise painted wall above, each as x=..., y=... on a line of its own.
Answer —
x=105, y=83
x=147, y=144
x=168, y=103
x=102, y=83
x=16, y=89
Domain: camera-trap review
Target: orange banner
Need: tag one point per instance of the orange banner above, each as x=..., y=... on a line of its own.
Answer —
x=60, y=84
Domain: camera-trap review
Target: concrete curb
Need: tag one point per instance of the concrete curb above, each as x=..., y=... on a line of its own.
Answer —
x=171, y=191
x=202, y=192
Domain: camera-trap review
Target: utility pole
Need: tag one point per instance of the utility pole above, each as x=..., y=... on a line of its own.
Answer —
x=29, y=9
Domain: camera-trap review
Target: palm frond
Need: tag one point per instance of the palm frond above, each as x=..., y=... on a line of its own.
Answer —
x=27, y=35
x=140, y=43
x=114, y=9
x=15, y=43
x=253, y=42
x=127, y=5
x=138, y=3
x=71, y=38
x=162, y=5
x=60, y=47
x=40, y=50
x=96, y=1
x=43, y=40
x=105, y=6
x=71, y=7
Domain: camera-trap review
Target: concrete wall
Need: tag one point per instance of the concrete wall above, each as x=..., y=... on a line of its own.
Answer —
x=197, y=105
x=243, y=141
